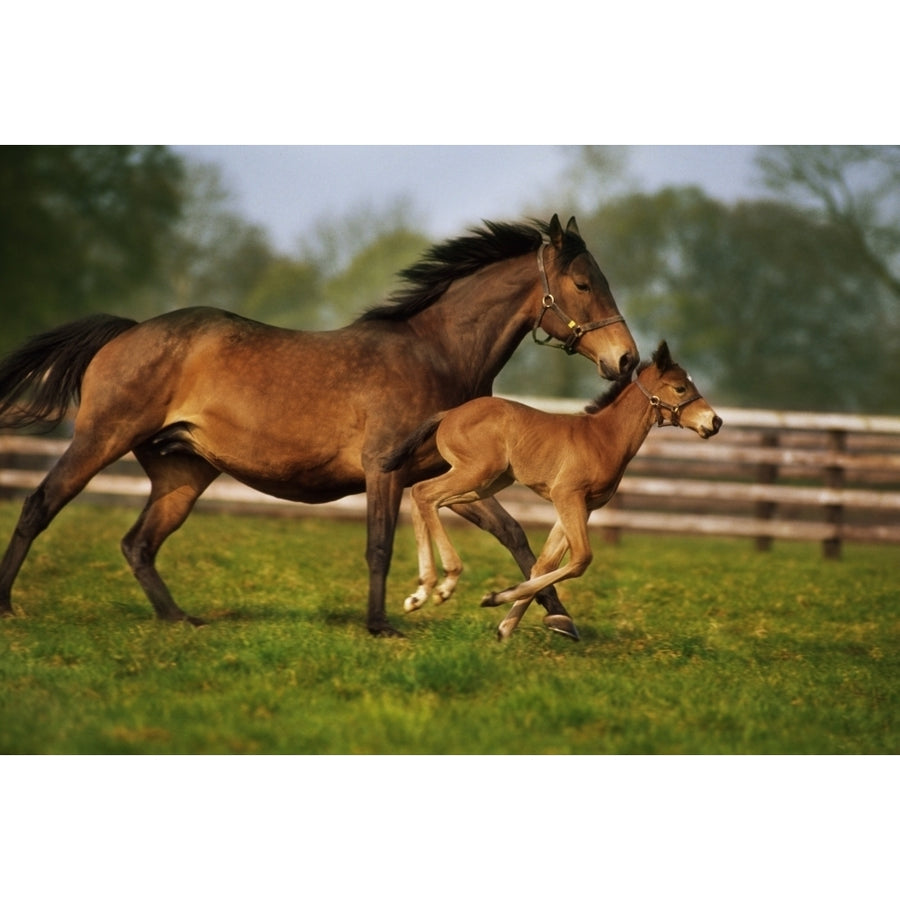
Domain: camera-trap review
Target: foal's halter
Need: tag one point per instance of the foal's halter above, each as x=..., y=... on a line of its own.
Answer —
x=660, y=405
x=549, y=303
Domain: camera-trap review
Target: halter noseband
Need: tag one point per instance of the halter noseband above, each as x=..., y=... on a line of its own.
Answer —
x=660, y=405
x=549, y=303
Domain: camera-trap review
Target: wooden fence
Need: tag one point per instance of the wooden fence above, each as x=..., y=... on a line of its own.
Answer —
x=767, y=475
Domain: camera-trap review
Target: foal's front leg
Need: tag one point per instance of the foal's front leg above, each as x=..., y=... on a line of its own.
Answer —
x=569, y=533
x=490, y=516
x=551, y=556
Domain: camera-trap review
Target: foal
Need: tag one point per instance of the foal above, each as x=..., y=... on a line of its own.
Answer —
x=574, y=461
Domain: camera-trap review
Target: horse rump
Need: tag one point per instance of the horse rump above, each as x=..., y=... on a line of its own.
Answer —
x=40, y=380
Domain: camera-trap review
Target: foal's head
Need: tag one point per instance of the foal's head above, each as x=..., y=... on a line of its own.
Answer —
x=674, y=396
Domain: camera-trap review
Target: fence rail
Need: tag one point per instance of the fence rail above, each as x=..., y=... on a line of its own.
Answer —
x=768, y=475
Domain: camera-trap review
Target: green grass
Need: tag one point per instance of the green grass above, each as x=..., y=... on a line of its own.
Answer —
x=688, y=646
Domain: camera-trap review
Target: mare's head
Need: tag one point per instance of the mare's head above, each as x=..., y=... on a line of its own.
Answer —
x=674, y=396
x=578, y=308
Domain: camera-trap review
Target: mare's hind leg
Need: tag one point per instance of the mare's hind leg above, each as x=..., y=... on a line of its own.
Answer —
x=74, y=469
x=176, y=483
x=490, y=516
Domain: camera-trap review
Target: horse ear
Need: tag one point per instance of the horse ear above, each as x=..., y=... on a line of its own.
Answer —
x=572, y=227
x=554, y=230
x=662, y=359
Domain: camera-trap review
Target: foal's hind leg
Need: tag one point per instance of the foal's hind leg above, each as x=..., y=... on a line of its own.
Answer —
x=490, y=516
x=176, y=483
x=427, y=571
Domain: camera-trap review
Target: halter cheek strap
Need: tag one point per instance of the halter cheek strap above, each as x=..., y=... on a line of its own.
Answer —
x=576, y=332
x=660, y=405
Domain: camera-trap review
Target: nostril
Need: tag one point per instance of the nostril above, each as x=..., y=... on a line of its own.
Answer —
x=627, y=363
x=717, y=423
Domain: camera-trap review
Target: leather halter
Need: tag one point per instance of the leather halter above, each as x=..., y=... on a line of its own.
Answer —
x=549, y=303
x=660, y=405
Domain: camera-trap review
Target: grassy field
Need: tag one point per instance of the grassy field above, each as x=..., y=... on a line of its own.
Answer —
x=688, y=646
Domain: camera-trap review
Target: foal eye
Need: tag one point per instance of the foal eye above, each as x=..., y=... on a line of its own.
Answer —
x=680, y=389
x=581, y=286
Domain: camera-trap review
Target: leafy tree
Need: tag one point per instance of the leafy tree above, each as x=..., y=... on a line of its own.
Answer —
x=771, y=305
x=286, y=294
x=82, y=229
x=856, y=189
x=211, y=257
x=358, y=258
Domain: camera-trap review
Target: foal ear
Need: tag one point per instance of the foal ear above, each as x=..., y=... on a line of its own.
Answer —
x=555, y=232
x=572, y=227
x=662, y=359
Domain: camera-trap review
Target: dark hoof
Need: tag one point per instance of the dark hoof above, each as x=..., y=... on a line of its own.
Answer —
x=385, y=631
x=489, y=600
x=179, y=616
x=7, y=613
x=562, y=625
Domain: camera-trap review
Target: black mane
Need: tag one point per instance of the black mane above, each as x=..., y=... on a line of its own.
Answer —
x=458, y=257
x=614, y=391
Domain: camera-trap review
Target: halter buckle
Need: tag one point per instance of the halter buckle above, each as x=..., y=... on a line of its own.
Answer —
x=576, y=331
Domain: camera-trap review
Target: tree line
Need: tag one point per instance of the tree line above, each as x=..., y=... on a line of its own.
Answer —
x=789, y=301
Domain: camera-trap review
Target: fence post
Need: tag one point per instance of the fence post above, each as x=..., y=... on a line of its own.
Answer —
x=612, y=534
x=834, y=478
x=766, y=473
x=7, y=461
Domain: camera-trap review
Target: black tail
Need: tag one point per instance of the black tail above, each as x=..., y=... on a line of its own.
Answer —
x=40, y=380
x=396, y=458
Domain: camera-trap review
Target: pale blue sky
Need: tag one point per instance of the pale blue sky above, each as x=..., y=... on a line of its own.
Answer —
x=288, y=189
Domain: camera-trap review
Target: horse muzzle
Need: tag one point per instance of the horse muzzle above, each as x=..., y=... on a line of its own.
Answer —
x=710, y=430
x=622, y=369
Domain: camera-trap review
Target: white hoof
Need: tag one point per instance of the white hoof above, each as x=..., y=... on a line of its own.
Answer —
x=414, y=602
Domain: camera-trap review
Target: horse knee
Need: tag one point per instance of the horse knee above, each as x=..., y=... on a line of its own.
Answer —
x=137, y=550
x=580, y=563
x=131, y=551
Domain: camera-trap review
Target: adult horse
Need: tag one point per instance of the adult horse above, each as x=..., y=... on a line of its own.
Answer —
x=306, y=416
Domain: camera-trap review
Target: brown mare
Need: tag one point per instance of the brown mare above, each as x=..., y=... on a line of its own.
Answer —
x=574, y=461
x=306, y=416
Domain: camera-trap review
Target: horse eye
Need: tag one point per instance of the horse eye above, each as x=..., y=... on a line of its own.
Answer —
x=582, y=286
x=680, y=389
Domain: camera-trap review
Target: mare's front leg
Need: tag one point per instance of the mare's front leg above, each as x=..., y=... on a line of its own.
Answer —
x=383, y=493
x=490, y=516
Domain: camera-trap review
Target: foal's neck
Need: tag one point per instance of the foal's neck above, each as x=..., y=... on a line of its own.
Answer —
x=623, y=426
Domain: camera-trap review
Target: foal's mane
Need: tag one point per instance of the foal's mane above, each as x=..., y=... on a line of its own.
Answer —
x=613, y=392
x=661, y=358
x=444, y=263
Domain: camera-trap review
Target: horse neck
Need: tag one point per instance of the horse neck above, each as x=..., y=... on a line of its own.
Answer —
x=627, y=421
x=481, y=319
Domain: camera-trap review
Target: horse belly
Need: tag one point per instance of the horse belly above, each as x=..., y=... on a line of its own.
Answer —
x=298, y=467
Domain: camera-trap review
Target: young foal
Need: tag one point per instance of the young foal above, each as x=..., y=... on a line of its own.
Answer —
x=574, y=461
